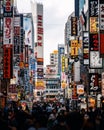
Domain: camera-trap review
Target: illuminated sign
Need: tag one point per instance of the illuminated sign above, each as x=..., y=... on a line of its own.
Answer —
x=63, y=63
x=94, y=42
x=93, y=24
x=73, y=26
x=74, y=48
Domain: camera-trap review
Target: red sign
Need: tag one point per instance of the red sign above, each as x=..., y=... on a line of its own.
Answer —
x=39, y=31
x=74, y=92
x=7, y=61
x=102, y=44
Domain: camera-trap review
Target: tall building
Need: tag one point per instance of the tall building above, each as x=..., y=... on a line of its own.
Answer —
x=37, y=13
x=54, y=58
x=52, y=79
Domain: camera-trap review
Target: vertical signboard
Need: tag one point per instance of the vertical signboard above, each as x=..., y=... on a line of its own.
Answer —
x=8, y=8
x=74, y=48
x=7, y=61
x=8, y=30
x=26, y=56
x=101, y=20
x=95, y=60
x=63, y=63
x=63, y=80
x=16, y=34
x=8, y=39
x=60, y=52
x=93, y=82
x=77, y=71
x=22, y=33
x=85, y=48
x=73, y=26
x=39, y=38
x=74, y=92
x=101, y=15
x=28, y=30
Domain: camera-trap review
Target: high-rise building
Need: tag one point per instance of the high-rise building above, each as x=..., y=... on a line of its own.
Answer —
x=37, y=13
x=54, y=58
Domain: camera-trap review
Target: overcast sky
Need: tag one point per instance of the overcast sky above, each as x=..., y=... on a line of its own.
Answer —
x=56, y=13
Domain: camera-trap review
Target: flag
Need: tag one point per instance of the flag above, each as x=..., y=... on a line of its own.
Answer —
x=83, y=18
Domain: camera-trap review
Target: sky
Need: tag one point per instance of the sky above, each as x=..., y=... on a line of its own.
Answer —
x=55, y=16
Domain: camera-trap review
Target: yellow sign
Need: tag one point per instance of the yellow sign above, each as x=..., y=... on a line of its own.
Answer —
x=39, y=84
x=93, y=25
x=74, y=47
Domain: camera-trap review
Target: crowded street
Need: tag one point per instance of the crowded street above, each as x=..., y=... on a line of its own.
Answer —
x=49, y=116
x=51, y=64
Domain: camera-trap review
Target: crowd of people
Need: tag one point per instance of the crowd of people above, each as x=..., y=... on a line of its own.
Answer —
x=50, y=116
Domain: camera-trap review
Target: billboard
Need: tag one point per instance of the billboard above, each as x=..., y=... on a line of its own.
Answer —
x=8, y=30
x=27, y=25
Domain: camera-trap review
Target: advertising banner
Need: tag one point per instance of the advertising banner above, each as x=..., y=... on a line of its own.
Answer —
x=27, y=25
